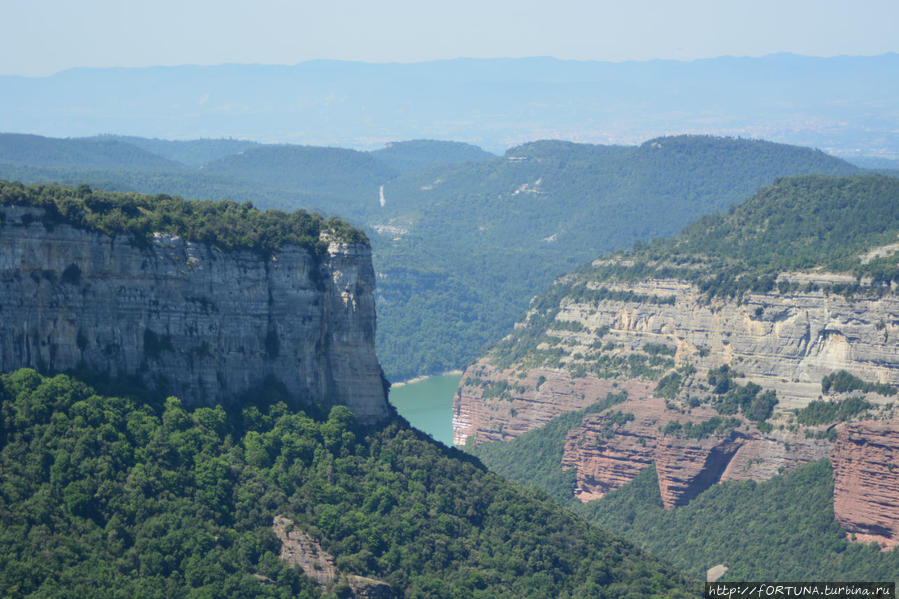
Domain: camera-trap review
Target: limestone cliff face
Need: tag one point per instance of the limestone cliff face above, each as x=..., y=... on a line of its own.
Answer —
x=866, y=481
x=784, y=342
x=187, y=318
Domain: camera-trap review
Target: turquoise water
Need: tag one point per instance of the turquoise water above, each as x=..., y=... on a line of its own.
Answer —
x=428, y=405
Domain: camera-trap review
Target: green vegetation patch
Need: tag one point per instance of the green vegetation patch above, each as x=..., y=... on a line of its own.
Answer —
x=798, y=223
x=825, y=412
x=713, y=426
x=733, y=397
x=844, y=382
x=110, y=496
x=225, y=224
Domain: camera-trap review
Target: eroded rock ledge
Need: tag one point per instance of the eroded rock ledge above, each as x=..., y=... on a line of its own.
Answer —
x=607, y=455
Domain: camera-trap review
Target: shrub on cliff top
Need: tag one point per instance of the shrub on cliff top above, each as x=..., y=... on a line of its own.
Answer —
x=226, y=224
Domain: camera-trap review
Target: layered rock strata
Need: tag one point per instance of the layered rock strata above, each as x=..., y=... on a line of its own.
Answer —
x=187, y=318
x=784, y=342
x=687, y=467
x=607, y=455
x=514, y=405
x=866, y=481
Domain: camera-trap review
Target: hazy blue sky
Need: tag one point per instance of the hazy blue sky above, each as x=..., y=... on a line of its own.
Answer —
x=44, y=36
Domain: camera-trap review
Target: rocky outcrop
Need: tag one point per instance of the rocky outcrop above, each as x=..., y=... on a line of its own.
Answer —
x=765, y=455
x=300, y=550
x=498, y=405
x=866, y=481
x=606, y=454
x=187, y=318
x=687, y=467
x=786, y=342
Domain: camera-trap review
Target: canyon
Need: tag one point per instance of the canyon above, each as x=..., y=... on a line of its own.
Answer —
x=783, y=342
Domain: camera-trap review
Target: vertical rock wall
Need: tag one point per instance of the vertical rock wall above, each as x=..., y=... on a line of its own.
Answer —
x=187, y=318
x=866, y=481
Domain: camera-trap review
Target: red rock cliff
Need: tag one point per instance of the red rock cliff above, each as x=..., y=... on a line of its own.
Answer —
x=866, y=481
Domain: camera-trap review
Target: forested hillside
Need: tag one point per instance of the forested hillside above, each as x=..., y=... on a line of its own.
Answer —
x=460, y=251
x=403, y=156
x=135, y=495
x=463, y=240
x=345, y=174
x=80, y=154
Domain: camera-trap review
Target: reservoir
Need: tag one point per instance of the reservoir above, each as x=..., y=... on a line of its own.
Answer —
x=428, y=404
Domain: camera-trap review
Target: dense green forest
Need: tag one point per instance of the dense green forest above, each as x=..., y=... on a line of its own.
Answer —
x=119, y=495
x=462, y=239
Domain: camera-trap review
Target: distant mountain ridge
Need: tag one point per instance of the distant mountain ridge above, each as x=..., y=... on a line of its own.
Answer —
x=403, y=156
x=111, y=153
x=833, y=103
x=194, y=152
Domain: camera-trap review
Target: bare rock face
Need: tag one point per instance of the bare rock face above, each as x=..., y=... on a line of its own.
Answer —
x=866, y=481
x=496, y=405
x=786, y=342
x=783, y=342
x=687, y=467
x=187, y=318
x=606, y=454
x=763, y=456
x=300, y=550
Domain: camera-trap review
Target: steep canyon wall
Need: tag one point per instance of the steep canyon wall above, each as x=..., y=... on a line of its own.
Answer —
x=187, y=318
